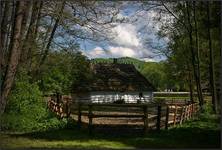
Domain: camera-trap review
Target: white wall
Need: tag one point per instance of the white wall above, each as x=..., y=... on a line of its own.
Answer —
x=129, y=97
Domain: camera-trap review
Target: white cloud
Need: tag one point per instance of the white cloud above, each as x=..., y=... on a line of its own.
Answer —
x=122, y=52
x=118, y=51
x=149, y=60
x=126, y=35
x=111, y=51
x=96, y=53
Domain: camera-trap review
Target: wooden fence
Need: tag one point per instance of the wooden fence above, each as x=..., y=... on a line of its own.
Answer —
x=60, y=109
x=153, y=116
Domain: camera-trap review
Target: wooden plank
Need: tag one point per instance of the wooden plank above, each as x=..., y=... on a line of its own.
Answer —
x=167, y=118
x=192, y=109
x=145, y=119
x=115, y=116
x=79, y=116
x=189, y=111
x=186, y=111
x=182, y=115
x=190, y=116
x=122, y=105
x=90, y=119
x=176, y=105
x=158, y=118
x=175, y=116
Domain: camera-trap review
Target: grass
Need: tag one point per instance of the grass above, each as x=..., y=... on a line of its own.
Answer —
x=200, y=133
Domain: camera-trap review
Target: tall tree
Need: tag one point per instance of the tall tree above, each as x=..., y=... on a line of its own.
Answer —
x=15, y=52
x=200, y=94
x=212, y=71
x=46, y=51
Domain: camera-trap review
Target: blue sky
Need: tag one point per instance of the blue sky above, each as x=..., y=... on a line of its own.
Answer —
x=136, y=38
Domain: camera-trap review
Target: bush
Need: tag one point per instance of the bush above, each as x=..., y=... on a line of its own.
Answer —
x=26, y=109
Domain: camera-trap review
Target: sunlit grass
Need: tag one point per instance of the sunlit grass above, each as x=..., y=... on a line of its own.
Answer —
x=200, y=133
x=23, y=142
x=203, y=132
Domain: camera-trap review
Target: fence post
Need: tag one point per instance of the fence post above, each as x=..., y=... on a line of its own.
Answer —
x=90, y=118
x=189, y=116
x=158, y=117
x=185, y=114
x=79, y=115
x=167, y=117
x=175, y=115
x=182, y=115
x=145, y=118
x=191, y=111
x=195, y=110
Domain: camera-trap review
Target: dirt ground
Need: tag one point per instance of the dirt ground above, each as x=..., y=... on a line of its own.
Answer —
x=123, y=122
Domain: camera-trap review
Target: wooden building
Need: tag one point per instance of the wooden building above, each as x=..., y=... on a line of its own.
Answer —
x=114, y=83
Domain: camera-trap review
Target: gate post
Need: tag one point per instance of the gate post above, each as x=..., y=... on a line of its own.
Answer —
x=158, y=117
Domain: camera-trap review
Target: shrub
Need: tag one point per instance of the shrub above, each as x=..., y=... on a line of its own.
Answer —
x=26, y=109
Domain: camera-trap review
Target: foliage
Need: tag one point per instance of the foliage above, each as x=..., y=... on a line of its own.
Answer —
x=26, y=109
x=154, y=72
x=63, y=70
x=123, y=60
x=179, y=56
x=81, y=71
x=56, y=76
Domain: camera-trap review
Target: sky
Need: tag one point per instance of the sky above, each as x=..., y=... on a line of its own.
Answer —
x=136, y=38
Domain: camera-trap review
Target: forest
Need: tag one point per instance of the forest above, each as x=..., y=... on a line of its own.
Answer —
x=41, y=55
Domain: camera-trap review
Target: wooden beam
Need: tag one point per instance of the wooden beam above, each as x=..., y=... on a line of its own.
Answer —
x=79, y=116
x=145, y=119
x=167, y=118
x=182, y=115
x=175, y=115
x=90, y=119
x=115, y=116
x=158, y=117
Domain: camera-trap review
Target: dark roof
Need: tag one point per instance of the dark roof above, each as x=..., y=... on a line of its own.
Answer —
x=116, y=77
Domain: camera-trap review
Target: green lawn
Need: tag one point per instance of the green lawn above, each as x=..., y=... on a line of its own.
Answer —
x=200, y=133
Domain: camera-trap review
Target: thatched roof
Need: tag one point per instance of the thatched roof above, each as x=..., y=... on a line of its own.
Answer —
x=116, y=77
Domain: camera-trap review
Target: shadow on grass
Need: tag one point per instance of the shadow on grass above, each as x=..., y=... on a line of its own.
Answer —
x=188, y=136
x=201, y=133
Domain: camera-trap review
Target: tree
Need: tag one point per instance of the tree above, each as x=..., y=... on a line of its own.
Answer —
x=212, y=73
x=15, y=52
x=189, y=44
x=23, y=33
x=81, y=73
x=46, y=51
x=194, y=59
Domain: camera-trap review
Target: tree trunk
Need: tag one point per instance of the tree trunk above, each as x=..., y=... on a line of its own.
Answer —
x=33, y=29
x=52, y=35
x=30, y=37
x=25, y=20
x=4, y=24
x=14, y=56
x=191, y=87
x=3, y=36
x=212, y=73
x=38, y=17
x=197, y=53
x=190, y=30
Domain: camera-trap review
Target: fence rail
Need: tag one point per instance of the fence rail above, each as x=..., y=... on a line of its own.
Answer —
x=166, y=115
x=155, y=116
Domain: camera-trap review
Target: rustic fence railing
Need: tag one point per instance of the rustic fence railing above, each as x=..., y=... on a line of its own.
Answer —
x=152, y=115
x=60, y=109
x=166, y=115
